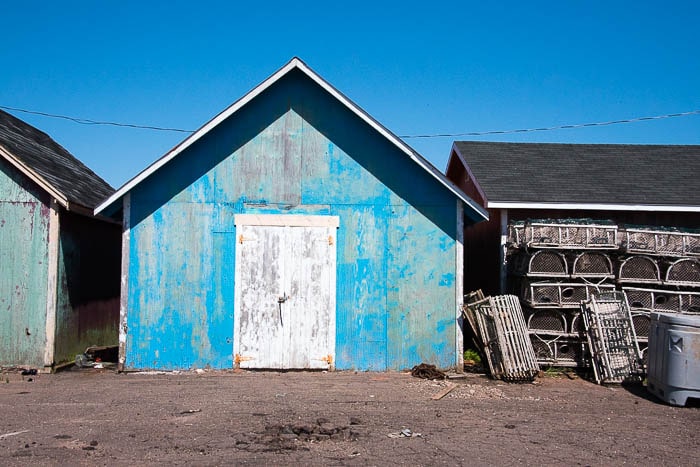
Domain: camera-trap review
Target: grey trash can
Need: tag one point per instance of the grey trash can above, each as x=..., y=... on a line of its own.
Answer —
x=674, y=357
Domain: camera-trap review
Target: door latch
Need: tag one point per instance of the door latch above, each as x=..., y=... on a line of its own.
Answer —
x=283, y=298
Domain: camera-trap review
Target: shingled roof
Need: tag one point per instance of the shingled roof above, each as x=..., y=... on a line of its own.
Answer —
x=522, y=174
x=50, y=165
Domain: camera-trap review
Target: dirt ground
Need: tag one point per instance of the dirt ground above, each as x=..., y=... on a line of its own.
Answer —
x=100, y=417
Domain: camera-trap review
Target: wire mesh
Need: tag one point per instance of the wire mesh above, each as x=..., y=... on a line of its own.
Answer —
x=661, y=242
x=639, y=269
x=570, y=235
x=577, y=325
x=685, y=272
x=670, y=301
x=611, y=338
x=560, y=295
x=642, y=324
x=559, y=351
x=592, y=265
x=548, y=264
x=547, y=320
x=544, y=350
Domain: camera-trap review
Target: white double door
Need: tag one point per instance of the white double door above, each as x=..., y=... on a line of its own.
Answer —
x=284, y=312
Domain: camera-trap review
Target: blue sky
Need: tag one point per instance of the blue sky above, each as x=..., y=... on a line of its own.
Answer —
x=417, y=67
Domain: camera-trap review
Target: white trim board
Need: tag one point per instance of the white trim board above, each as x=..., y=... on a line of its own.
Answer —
x=286, y=220
x=35, y=177
x=294, y=63
x=591, y=206
x=52, y=283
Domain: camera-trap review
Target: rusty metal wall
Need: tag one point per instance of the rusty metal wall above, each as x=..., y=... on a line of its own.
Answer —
x=294, y=150
x=24, y=231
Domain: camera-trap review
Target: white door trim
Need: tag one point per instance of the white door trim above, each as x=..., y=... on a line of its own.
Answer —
x=286, y=220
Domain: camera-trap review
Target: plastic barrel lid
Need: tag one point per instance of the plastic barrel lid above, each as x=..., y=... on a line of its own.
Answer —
x=676, y=318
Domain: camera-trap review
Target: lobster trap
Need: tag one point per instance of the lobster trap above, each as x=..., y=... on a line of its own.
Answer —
x=660, y=242
x=558, y=350
x=569, y=235
x=594, y=265
x=543, y=263
x=642, y=325
x=639, y=269
x=547, y=320
x=615, y=354
x=684, y=272
x=560, y=295
x=500, y=325
x=669, y=301
x=578, y=326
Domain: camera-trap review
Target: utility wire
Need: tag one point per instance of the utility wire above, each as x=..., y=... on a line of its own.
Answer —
x=85, y=121
x=560, y=127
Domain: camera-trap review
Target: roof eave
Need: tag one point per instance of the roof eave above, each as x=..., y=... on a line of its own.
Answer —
x=35, y=177
x=591, y=206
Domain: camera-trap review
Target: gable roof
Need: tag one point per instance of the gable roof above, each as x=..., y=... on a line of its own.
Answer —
x=52, y=167
x=583, y=176
x=297, y=64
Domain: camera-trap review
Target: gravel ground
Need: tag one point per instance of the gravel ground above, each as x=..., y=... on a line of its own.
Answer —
x=99, y=417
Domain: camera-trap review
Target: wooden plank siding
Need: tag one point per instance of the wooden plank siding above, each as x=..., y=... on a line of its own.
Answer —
x=293, y=150
x=24, y=232
x=59, y=285
x=87, y=310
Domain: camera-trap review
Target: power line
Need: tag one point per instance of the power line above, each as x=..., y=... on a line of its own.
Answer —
x=560, y=127
x=85, y=121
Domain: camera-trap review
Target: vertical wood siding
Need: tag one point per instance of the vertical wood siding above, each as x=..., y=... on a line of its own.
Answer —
x=293, y=150
x=24, y=227
x=87, y=311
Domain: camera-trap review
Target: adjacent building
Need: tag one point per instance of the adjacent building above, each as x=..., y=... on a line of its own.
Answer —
x=59, y=285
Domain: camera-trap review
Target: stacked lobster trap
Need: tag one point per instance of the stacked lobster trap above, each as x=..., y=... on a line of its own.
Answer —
x=659, y=270
x=555, y=265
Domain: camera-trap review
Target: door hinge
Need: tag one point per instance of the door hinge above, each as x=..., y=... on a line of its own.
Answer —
x=328, y=359
x=330, y=240
x=238, y=358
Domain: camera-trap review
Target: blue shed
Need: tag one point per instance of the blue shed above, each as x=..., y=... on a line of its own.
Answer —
x=59, y=264
x=291, y=231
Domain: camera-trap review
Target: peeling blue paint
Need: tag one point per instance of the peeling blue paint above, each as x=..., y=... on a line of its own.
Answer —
x=293, y=150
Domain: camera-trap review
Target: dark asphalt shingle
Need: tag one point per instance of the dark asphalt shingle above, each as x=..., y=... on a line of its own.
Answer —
x=585, y=173
x=52, y=162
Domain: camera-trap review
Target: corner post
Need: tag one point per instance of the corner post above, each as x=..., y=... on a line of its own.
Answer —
x=124, y=293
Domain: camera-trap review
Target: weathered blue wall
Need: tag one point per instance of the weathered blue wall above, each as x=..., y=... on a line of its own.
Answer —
x=24, y=225
x=293, y=149
x=87, y=309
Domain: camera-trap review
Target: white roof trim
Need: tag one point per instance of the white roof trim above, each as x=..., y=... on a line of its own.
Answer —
x=35, y=177
x=294, y=63
x=591, y=206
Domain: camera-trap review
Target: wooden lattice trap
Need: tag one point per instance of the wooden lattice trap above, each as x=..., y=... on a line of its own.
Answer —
x=639, y=269
x=594, y=265
x=684, y=272
x=559, y=295
x=670, y=301
x=660, y=242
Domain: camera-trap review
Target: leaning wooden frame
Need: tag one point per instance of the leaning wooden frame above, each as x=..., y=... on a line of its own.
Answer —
x=612, y=341
x=499, y=324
